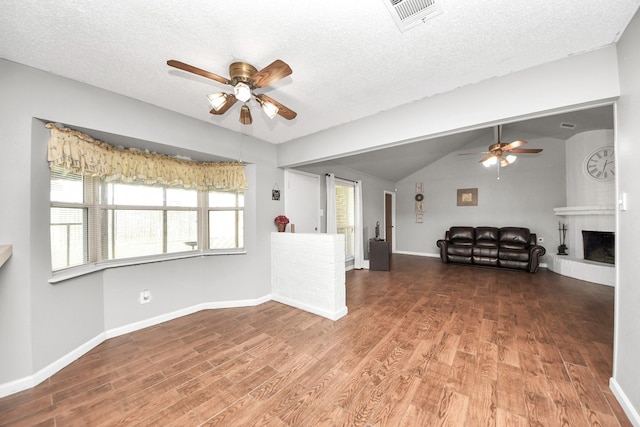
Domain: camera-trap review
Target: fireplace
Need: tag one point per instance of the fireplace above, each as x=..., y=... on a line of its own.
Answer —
x=599, y=246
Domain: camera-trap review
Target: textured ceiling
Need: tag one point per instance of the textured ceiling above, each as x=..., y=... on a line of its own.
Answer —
x=349, y=59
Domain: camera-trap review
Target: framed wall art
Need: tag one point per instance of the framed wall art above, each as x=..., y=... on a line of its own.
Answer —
x=467, y=197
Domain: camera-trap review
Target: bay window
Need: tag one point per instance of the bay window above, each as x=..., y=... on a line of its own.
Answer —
x=97, y=221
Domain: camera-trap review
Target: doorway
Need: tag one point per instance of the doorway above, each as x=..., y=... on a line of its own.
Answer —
x=389, y=219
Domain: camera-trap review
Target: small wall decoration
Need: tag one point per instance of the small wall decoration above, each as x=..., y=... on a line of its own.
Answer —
x=419, y=205
x=467, y=197
x=275, y=193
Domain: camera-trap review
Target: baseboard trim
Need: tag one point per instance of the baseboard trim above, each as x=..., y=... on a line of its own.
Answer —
x=425, y=254
x=115, y=332
x=311, y=309
x=624, y=401
x=48, y=371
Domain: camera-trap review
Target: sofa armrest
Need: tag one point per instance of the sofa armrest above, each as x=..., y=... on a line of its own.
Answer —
x=444, y=246
x=535, y=253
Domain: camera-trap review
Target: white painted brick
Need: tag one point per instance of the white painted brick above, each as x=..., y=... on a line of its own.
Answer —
x=308, y=269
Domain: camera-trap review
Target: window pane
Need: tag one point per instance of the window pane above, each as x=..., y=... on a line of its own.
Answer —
x=223, y=233
x=133, y=195
x=182, y=197
x=68, y=237
x=182, y=231
x=132, y=233
x=66, y=187
x=345, y=216
x=224, y=199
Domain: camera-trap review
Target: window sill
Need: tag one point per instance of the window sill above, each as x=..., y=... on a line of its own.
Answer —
x=72, y=272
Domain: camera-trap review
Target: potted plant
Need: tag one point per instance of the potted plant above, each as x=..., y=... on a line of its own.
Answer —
x=281, y=221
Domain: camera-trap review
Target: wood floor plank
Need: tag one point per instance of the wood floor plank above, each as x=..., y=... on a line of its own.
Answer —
x=453, y=409
x=425, y=343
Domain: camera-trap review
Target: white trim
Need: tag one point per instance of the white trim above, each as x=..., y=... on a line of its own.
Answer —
x=48, y=371
x=311, y=309
x=431, y=255
x=624, y=401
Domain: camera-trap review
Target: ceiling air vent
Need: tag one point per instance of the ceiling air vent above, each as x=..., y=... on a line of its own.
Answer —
x=567, y=125
x=409, y=13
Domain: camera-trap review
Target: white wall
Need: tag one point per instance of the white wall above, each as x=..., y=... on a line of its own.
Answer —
x=524, y=196
x=627, y=332
x=41, y=323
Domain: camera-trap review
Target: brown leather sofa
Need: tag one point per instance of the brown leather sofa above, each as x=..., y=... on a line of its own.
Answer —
x=507, y=247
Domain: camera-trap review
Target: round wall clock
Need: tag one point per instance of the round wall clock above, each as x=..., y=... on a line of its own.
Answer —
x=419, y=197
x=600, y=164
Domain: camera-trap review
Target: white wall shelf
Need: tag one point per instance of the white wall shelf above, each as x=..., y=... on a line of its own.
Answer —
x=5, y=253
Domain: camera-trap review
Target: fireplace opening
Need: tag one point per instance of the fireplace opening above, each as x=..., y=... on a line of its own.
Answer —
x=599, y=246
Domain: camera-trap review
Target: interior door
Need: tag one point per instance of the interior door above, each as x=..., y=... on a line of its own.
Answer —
x=302, y=200
x=388, y=219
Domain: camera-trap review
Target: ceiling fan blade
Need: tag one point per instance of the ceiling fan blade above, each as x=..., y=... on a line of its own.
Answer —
x=191, y=69
x=230, y=101
x=271, y=73
x=478, y=152
x=487, y=158
x=526, y=150
x=512, y=145
x=282, y=110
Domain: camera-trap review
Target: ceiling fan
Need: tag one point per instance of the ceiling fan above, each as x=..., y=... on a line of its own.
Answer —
x=502, y=153
x=244, y=78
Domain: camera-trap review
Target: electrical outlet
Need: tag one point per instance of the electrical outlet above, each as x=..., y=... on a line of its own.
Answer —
x=145, y=296
x=540, y=239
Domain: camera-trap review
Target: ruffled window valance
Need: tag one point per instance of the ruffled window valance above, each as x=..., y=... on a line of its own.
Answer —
x=79, y=153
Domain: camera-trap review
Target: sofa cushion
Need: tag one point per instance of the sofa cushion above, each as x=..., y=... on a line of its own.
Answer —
x=487, y=237
x=514, y=237
x=514, y=254
x=485, y=255
x=460, y=250
x=461, y=235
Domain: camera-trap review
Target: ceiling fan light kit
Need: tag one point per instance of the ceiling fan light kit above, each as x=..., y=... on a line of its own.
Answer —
x=502, y=154
x=244, y=78
x=269, y=109
x=217, y=100
x=245, y=115
x=242, y=92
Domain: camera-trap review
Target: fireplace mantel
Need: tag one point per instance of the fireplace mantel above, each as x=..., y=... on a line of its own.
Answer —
x=585, y=210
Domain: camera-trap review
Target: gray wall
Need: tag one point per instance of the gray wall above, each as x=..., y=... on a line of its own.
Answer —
x=627, y=337
x=41, y=323
x=524, y=196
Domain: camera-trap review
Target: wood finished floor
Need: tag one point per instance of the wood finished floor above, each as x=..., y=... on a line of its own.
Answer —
x=426, y=344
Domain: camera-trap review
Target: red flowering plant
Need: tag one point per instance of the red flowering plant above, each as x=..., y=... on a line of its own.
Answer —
x=281, y=219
